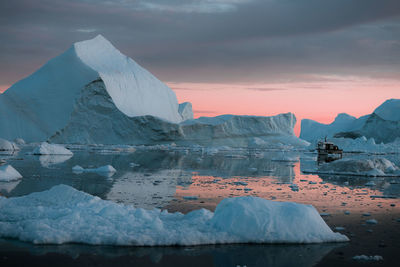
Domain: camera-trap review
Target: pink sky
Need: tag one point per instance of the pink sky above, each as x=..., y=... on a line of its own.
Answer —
x=320, y=98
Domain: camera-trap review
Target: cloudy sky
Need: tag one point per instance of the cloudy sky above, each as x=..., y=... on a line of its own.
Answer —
x=256, y=57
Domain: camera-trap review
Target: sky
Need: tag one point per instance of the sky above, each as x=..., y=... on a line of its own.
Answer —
x=255, y=57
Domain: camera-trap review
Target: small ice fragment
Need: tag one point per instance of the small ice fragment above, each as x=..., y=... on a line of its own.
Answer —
x=371, y=183
x=368, y=258
x=324, y=214
x=133, y=164
x=367, y=214
x=371, y=221
x=347, y=212
x=339, y=228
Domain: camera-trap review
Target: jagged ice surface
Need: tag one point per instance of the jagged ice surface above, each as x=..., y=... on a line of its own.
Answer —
x=46, y=217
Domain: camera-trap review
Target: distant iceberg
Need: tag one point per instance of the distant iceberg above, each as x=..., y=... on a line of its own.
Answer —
x=383, y=125
x=45, y=218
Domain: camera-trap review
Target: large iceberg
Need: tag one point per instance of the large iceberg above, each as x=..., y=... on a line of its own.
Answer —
x=383, y=125
x=93, y=94
x=40, y=105
x=45, y=218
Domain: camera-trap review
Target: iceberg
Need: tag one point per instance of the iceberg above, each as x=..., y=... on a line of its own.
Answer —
x=102, y=169
x=383, y=125
x=51, y=149
x=185, y=109
x=45, y=218
x=93, y=94
x=8, y=173
x=6, y=145
x=41, y=104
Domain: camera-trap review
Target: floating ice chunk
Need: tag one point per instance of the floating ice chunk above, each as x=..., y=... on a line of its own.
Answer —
x=371, y=221
x=66, y=215
x=51, y=149
x=339, y=228
x=106, y=170
x=133, y=164
x=368, y=258
x=8, y=173
x=6, y=145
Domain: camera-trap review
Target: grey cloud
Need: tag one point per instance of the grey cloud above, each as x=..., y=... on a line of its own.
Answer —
x=250, y=41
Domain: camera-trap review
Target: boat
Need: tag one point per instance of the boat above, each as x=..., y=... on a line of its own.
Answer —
x=325, y=148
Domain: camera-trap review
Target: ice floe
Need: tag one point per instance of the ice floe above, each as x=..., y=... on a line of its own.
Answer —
x=8, y=173
x=6, y=145
x=368, y=258
x=106, y=170
x=51, y=149
x=64, y=215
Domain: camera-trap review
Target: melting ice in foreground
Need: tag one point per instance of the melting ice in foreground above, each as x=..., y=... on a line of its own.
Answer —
x=64, y=215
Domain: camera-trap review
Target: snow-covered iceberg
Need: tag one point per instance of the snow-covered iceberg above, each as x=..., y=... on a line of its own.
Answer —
x=383, y=125
x=40, y=105
x=8, y=173
x=46, y=217
x=51, y=149
x=103, y=169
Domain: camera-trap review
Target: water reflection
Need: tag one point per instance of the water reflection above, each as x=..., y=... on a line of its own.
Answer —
x=219, y=255
x=162, y=179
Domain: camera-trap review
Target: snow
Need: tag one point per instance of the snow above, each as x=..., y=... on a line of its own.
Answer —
x=368, y=258
x=6, y=145
x=8, y=173
x=46, y=218
x=359, y=167
x=185, y=109
x=51, y=149
x=40, y=105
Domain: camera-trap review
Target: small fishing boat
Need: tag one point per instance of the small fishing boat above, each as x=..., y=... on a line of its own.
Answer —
x=325, y=148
